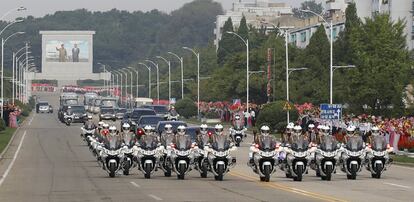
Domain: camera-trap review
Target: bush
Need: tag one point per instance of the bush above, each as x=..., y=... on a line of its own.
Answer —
x=2, y=125
x=186, y=108
x=274, y=116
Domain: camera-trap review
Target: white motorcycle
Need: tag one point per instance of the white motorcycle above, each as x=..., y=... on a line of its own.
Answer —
x=165, y=163
x=111, y=155
x=238, y=133
x=127, y=149
x=148, y=154
x=265, y=157
x=219, y=157
x=182, y=156
x=327, y=157
x=298, y=158
x=377, y=158
x=353, y=156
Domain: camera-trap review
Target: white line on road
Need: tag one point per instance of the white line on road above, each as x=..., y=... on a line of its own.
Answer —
x=397, y=185
x=30, y=122
x=3, y=177
x=135, y=184
x=155, y=197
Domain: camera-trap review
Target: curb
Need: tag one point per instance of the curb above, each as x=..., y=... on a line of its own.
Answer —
x=403, y=164
x=11, y=139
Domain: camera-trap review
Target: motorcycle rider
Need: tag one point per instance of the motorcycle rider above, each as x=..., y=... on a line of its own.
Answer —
x=202, y=133
x=350, y=132
x=257, y=141
x=375, y=131
x=89, y=122
x=126, y=130
x=288, y=133
x=100, y=126
x=112, y=133
x=312, y=133
x=166, y=134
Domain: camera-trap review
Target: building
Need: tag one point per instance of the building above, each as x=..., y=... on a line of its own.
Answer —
x=254, y=12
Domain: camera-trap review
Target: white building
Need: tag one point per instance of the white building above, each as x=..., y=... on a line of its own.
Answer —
x=254, y=12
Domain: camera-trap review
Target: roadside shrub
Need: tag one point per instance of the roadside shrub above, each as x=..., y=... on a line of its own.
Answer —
x=2, y=125
x=186, y=108
x=273, y=115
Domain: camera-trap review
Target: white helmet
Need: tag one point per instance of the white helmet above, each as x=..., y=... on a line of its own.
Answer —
x=112, y=130
x=325, y=129
x=237, y=117
x=375, y=130
x=311, y=126
x=218, y=129
x=203, y=128
x=105, y=126
x=350, y=130
x=168, y=128
x=100, y=124
x=297, y=129
x=265, y=130
x=126, y=126
x=181, y=129
x=148, y=129
x=89, y=117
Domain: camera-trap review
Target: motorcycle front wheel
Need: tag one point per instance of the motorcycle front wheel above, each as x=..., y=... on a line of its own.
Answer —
x=299, y=172
x=220, y=173
x=181, y=172
x=266, y=172
x=147, y=171
x=203, y=173
x=112, y=170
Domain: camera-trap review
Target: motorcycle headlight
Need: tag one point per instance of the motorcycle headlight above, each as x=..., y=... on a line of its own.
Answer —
x=328, y=154
x=379, y=153
x=267, y=154
x=221, y=153
x=354, y=154
x=300, y=154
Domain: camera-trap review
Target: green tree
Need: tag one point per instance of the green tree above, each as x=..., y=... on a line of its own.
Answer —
x=226, y=44
x=186, y=108
x=307, y=5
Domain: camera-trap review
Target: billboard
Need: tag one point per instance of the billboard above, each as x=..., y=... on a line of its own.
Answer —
x=67, y=51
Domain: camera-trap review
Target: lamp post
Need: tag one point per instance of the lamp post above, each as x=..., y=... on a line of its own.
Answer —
x=21, y=8
x=198, y=78
x=149, y=78
x=126, y=84
x=181, y=59
x=246, y=42
x=136, y=71
x=14, y=77
x=169, y=77
x=331, y=52
x=121, y=75
x=158, y=79
x=287, y=87
x=3, y=41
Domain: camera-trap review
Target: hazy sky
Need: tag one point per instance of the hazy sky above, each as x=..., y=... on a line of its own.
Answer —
x=40, y=8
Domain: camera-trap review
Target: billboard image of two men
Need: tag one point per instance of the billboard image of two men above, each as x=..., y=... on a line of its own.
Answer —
x=56, y=51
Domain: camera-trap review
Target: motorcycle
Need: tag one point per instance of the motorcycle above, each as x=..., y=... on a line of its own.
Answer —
x=326, y=157
x=111, y=155
x=298, y=157
x=377, y=158
x=172, y=116
x=182, y=156
x=353, y=156
x=219, y=157
x=165, y=163
x=68, y=118
x=200, y=161
x=127, y=149
x=87, y=131
x=265, y=158
x=238, y=133
x=148, y=154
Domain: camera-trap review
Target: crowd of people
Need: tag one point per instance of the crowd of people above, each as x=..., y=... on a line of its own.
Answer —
x=11, y=114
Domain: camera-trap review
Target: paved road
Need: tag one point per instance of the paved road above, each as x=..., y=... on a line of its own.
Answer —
x=47, y=161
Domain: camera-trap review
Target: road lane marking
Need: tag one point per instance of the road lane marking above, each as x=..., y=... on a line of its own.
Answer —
x=3, y=177
x=135, y=184
x=397, y=185
x=286, y=188
x=155, y=197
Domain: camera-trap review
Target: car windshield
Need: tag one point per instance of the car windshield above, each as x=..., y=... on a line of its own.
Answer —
x=137, y=114
x=71, y=102
x=77, y=109
x=107, y=111
x=150, y=120
x=121, y=110
x=43, y=104
x=160, y=109
x=97, y=102
x=108, y=103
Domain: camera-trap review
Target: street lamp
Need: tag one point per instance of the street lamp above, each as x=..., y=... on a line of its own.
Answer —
x=246, y=42
x=130, y=87
x=126, y=85
x=149, y=78
x=331, y=52
x=198, y=78
x=3, y=41
x=158, y=78
x=181, y=59
x=287, y=87
x=136, y=71
x=121, y=75
x=104, y=70
x=14, y=77
x=169, y=77
x=21, y=8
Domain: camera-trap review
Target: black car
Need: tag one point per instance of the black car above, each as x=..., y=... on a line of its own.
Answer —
x=192, y=131
x=145, y=120
x=160, y=110
x=133, y=117
x=120, y=112
x=107, y=113
x=175, y=124
x=79, y=113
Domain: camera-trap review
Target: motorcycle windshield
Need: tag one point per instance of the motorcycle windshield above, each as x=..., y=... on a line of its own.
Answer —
x=354, y=143
x=238, y=125
x=183, y=142
x=299, y=143
x=168, y=139
x=267, y=143
x=128, y=137
x=113, y=142
x=149, y=142
x=89, y=126
x=378, y=143
x=221, y=143
x=328, y=143
x=204, y=139
x=173, y=113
